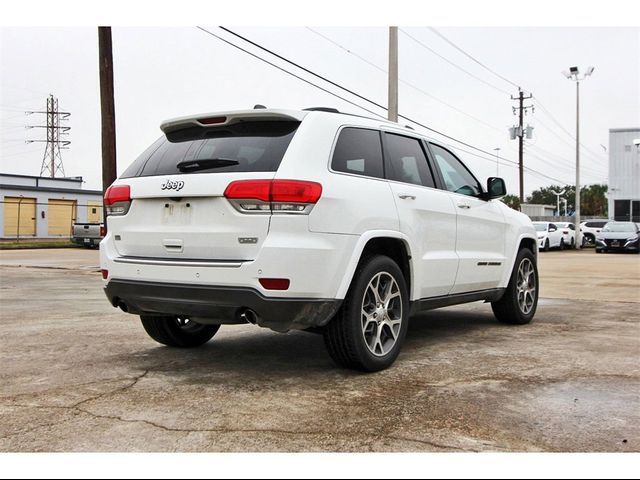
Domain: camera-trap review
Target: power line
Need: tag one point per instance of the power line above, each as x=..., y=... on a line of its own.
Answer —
x=563, y=159
x=288, y=72
x=452, y=63
x=345, y=89
x=404, y=82
x=304, y=69
x=473, y=58
x=548, y=113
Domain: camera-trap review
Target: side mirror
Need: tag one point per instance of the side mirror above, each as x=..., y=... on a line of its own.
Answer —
x=495, y=188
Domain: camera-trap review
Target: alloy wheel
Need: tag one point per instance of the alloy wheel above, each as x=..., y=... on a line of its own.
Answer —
x=526, y=286
x=381, y=314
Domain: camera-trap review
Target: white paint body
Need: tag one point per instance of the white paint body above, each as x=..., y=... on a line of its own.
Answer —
x=318, y=252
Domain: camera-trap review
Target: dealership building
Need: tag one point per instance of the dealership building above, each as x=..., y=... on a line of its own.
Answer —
x=624, y=174
x=44, y=207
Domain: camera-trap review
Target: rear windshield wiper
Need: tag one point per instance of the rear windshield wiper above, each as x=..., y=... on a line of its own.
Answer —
x=205, y=163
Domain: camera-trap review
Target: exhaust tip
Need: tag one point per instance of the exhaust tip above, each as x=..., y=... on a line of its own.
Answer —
x=249, y=316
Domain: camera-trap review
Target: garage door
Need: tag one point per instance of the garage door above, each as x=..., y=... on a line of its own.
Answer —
x=94, y=212
x=62, y=214
x=25, y=220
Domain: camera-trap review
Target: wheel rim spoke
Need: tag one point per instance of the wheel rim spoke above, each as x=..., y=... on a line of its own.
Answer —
x=381, y=314
x=526, y=286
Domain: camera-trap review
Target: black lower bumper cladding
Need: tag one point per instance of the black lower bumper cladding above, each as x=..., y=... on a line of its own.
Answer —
x=224, y=304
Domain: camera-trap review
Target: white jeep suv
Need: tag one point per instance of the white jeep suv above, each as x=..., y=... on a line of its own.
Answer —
x=312, y=220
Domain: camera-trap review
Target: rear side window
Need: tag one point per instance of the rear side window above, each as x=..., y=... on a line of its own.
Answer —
x=406, y=161
x=358, y=151
x=241, y=147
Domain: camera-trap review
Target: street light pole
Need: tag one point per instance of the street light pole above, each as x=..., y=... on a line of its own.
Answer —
x=557, y=194
x=497, y=150
x=574, y=74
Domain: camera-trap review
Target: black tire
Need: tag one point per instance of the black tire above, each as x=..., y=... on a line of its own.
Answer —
x=546, y=245
x=508, y=309
x=345, y=336
x=573, y=243
x=561, y=244
x=178, y=331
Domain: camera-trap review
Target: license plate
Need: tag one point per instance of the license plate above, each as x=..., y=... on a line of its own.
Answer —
x=615, y=243
x=86, y=240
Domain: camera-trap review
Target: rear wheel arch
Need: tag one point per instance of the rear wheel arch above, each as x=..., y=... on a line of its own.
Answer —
x=393, y=246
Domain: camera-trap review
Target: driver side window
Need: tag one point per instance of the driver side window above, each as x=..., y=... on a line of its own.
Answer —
x=456, y=177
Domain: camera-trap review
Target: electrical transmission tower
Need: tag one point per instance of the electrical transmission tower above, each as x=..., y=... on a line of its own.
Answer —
x=52, y=159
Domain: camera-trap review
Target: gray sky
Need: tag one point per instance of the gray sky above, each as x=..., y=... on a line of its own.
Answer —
x=172, y=71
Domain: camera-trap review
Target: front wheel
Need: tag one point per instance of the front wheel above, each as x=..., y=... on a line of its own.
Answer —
x=175, y=331
x=368, y=330
x=546, y=245
x=562, y=244
x=520, y=300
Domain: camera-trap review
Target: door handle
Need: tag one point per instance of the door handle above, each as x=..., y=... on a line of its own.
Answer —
x=464, y=205
x=404, y=196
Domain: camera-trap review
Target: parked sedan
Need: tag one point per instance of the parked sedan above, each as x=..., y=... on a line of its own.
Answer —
x=568, y=233
x=619, y=236
x=549, y=236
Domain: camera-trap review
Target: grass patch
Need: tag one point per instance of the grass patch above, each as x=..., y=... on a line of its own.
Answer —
x=32, y=243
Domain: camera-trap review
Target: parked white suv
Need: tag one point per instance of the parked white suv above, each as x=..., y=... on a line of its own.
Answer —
x=309, y=220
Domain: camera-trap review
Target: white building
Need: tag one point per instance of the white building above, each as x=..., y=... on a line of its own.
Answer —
x=624, y=174
x=45, y=207
x=538, y=210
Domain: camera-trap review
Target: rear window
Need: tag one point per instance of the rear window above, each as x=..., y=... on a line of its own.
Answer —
x=242, y=147
x=358, y=151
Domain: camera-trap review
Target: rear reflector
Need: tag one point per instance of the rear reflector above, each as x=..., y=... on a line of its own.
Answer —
x=275, y=283
x=103, y=230
x=105, y=273
x=212, y=120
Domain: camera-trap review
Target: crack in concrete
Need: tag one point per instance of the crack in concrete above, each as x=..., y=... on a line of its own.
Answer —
x=134, y=382
x=73, y=407
x=67, y=387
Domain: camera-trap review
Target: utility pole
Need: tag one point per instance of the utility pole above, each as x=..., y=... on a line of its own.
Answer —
x=52, y=159
x=107, y=108
x=520, y=133
x=393, y=75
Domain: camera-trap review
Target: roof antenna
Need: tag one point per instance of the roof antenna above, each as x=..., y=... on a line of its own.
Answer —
x=259, y=107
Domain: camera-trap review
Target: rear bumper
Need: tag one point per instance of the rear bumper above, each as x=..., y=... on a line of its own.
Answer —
x=220, y=304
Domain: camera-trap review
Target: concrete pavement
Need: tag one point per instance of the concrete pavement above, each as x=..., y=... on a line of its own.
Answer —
x=79, y=375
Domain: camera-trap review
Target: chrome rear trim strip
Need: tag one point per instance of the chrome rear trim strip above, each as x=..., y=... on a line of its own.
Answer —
x=173, y=262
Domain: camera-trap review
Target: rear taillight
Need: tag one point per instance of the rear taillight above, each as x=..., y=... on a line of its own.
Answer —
x=273, y=196
x=275, y=283
x=117, y=199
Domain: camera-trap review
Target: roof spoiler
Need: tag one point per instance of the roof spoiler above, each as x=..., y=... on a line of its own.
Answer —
x=219, y=119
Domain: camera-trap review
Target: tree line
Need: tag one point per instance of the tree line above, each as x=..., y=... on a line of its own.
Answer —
x=593, y=199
